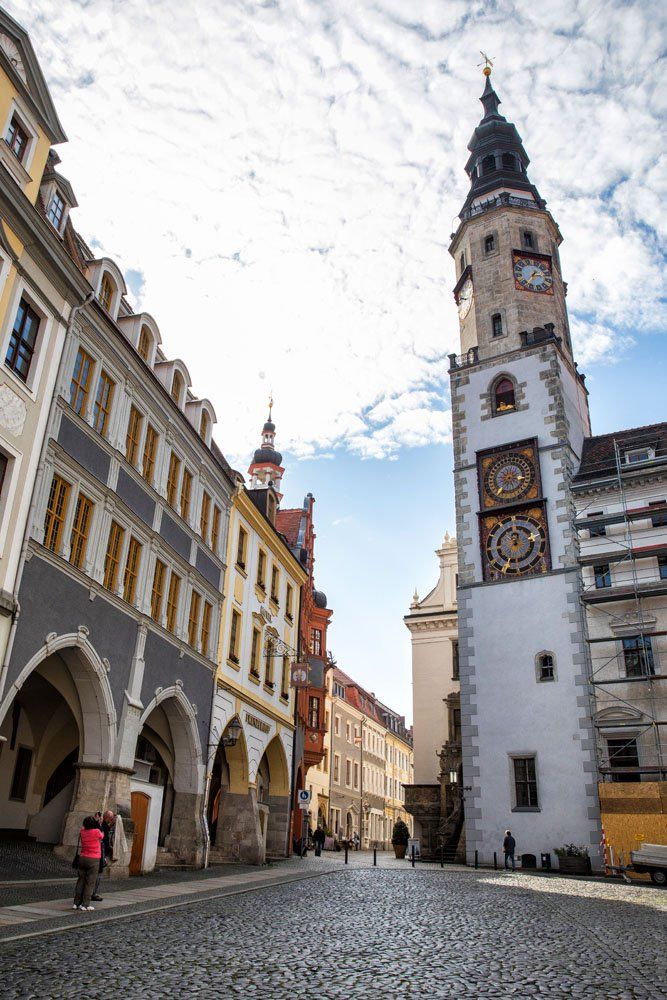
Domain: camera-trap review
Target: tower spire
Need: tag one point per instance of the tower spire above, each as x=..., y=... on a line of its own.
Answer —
x=266, y=466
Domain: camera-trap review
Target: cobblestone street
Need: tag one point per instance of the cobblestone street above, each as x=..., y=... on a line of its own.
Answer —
x=361, y=932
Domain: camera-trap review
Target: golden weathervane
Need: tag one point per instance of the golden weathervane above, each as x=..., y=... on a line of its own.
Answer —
x=487, y=64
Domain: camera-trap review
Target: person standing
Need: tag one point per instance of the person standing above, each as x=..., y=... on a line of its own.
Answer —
x=90, y=854
x=107, y=825
x=319, y=837
x=509, y=847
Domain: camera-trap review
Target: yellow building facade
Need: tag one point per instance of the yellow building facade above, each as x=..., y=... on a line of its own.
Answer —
x=252, y=735
x=399, y=772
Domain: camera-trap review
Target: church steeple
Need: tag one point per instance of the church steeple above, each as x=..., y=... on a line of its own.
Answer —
x=498, y=162
x=266, y=466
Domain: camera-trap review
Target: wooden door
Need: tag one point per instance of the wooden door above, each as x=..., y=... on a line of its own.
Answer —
x=139, y=814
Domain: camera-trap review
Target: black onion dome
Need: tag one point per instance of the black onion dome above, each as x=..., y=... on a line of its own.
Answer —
x=269, y=426
x=264, y=455
x=320, y=599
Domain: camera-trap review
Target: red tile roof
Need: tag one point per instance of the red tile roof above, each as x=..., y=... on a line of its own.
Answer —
x=598, y=457
x=288, y=523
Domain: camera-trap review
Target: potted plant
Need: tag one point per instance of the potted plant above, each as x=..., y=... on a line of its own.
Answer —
x=573, y=860
x=399, y=838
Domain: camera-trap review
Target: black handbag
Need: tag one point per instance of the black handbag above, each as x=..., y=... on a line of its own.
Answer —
x=75, y=860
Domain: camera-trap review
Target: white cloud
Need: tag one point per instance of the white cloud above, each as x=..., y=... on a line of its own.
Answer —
x=283, y=180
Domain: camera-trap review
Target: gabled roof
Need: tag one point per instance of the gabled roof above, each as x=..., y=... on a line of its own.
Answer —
x=289, y=523
x=28, y=77
x=598, y=456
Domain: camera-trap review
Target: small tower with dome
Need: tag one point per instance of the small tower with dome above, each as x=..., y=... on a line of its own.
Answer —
x=266, y=467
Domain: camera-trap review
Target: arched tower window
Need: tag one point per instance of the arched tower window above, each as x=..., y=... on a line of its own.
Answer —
x=509, y=161
x=105, y=295
x=503, y=395
x=177, y=388
x=488, y=164
x=545, y=667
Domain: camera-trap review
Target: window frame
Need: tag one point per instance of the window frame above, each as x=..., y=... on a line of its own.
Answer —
x=20, y=344
x=112, y=556
x=527, y=758
x=185, y=499
x=135, y=423
x=55, y=514
x=107, y=284
x=54, y=218
x=194, y=617
x=235, y=625
x=149, y=453
x=602, y=576
x=102, y=403
x=205, y=628
x=241, y=547
x=173, y=479
x=205, y=516
x=173, y=601
x=633, y=659
x=80, y=530
x=157, y=590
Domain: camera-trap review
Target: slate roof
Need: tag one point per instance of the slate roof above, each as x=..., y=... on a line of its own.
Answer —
x=598, y=457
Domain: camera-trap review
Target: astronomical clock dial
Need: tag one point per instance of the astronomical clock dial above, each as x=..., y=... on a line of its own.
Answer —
x=533, y=274
x=465, y=299
x=509, y=477
x=515, y=545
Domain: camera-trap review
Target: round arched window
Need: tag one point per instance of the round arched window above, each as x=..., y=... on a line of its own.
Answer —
x=504, y=395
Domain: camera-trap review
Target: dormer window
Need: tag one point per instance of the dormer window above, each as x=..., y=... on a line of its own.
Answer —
x=177, y=386
x=105, y=294
x=17, y=139
x=204, y=426
x=144, y=345
x=639, y=455
x=56, y=210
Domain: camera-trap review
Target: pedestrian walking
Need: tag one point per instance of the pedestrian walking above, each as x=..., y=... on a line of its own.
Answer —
x=319, y=837
x=107, y=825
x=90, y=853
x=509, y=846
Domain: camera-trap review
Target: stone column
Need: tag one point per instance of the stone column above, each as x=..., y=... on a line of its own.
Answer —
x=186, y=836
x=97, y=787
x=239, y=835
x=278, y=826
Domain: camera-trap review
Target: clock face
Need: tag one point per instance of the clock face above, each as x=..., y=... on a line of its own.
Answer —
x=465, y=299
x=516, y=545
x=533, y=274
x=509, y=477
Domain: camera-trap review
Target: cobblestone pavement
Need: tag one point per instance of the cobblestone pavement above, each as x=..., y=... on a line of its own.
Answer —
x=365, y=932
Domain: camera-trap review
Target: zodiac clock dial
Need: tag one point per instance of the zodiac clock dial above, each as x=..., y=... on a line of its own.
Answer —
x=509, y=477
x=516, y=545
x=533, y=274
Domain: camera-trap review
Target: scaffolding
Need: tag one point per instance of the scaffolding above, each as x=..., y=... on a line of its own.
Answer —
x=628, y=687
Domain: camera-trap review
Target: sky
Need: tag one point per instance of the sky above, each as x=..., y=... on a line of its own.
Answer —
x=278, y=181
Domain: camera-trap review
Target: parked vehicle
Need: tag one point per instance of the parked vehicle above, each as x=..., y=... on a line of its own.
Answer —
x=651, y=858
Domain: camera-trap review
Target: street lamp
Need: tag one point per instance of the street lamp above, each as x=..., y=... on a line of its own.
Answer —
x=453, y=776
x=233, y=733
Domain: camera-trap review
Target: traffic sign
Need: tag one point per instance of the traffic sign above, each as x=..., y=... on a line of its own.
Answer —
x=303, y=798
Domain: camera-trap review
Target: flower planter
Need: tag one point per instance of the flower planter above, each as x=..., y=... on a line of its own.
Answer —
x=399, y=850
x=573, y=865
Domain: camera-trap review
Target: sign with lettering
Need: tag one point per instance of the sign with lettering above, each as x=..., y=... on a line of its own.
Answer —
x=256, y=723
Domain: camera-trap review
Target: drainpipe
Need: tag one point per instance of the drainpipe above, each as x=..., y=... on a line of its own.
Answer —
x=33, y=503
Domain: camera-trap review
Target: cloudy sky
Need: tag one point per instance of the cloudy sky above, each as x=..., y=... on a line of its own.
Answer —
x=278, y=181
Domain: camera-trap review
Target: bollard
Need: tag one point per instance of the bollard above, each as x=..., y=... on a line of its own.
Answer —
x=476, y=860
x=375, y=857
x=346, y=854
x=413, y=855
x=495, y=862
x=442, y=855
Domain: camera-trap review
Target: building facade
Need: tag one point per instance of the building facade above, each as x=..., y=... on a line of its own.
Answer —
x=251, y=754
x=520, y=417
x=398, y=771
x=433, y=798
x=107, y=681
x=620, y=494
x=345, y=761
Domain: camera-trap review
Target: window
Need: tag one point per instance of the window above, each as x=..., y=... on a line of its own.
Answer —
x=102, y=406
x=488, y=164
x=205, y=515
x=348, y=771
x=186, y=492
x=356, y=774
x=623, y=754
x=254, y=652
x=289, y=602
x=22, y=341
x=336, y=768
x=336, y=725
x=177, y=385
x=193, y=619
x=314, y=712
x=133, y=434
x=348, y=732
x=56, y=510
x=602, y=575
x=157, y=594
x=275, y=584
x=545, y=667
x=496, y=325
x=316, y=641
x=455, y=660
x=509, y=161
x=638, y=455
x=462, y=263
x=597, y=530
x=17, y=139
x=215, y=528
x=525, y=783
x=131, y=570
x=204, y=425
x=150, y=449
x=80, y=529
x=489, y=244
x=105, y=294
x=80, y=385
x=268, y=661
x=234, y=636
x=172, y=478
x=241, y=547
x=144, y=345
x=503, y=395
x=172, y=600
x=261, y=570
x=638, y=656
x=205, y=633
x=56, y=210
x=659, y=520
x=528, y=239
x=112, y=556
x=22, y=766
x=284, y=690
x=662, y=567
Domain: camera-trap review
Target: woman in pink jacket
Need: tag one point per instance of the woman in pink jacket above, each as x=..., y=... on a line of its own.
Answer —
x=90, y=853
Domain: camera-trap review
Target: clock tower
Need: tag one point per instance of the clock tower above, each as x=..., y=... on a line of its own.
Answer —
x=520, y=415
